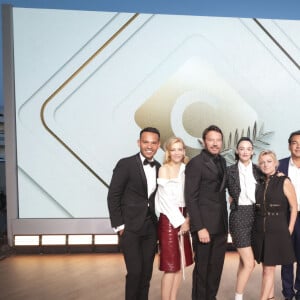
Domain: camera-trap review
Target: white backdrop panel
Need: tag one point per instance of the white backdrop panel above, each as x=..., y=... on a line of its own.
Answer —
x=178, y=73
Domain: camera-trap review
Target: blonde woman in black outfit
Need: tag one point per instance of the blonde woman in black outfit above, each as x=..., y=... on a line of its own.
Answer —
x=272, y=243
x=242, y=179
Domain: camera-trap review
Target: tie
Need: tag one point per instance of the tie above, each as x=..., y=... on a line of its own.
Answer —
x=218, y=163
x=147, y=162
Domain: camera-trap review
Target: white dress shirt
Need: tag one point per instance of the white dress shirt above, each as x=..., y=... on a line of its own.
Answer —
x=150, y=173
x=294, y=175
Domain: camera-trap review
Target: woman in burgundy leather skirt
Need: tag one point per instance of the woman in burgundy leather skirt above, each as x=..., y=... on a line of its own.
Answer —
x=173, y=226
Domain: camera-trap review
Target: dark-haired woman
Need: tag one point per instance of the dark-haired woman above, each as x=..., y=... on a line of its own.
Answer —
x=242, y=179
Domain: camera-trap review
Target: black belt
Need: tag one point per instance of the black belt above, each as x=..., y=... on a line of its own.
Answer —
x=274, y=213
x=271, y=214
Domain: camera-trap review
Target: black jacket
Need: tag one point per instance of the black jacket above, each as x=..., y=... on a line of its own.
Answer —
x=128, y=196
x=233, y=182
x=205, y=194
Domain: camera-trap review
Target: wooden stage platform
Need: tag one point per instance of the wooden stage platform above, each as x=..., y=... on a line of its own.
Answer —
x=100, y=276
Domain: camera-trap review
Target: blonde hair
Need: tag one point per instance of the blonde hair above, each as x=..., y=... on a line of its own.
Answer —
x=271, y=153
x=168, y=146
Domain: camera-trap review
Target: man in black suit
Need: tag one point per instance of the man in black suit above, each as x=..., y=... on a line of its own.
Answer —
x=131, y=208
x=291, y=167
x=205, y=183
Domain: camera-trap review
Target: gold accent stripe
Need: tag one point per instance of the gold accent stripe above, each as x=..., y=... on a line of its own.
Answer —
x=42, y=112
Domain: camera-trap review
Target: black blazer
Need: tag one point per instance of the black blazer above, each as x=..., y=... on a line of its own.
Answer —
x=234, y=186
x=128, y=196
x=205, y=194
x=284, y=165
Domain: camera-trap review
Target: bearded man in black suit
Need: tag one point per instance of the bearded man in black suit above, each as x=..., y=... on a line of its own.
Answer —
x=131, y=208
x=205, y=183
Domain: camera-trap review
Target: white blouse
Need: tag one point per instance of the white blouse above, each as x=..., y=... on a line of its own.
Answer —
x=247, y=183
x=170, y=196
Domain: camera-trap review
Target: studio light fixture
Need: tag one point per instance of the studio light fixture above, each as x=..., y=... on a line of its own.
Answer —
x=27, y=240
x=70, y=239
x=52, y=239
x=106, y=239
x=80, y=239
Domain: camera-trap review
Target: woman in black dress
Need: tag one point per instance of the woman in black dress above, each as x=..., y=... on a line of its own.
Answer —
x=242, y=179
x=272, y=244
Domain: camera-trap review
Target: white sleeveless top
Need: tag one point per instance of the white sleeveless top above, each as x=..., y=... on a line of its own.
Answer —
x=170, y=196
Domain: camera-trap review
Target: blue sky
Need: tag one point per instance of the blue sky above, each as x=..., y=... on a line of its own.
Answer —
x=275, y=9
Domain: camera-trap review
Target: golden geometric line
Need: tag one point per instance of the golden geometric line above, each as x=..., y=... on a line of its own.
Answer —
x=63, y=85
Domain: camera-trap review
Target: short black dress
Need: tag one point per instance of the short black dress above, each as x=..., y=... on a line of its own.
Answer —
x=241, y=217
x=272, y=243
x=241, y=221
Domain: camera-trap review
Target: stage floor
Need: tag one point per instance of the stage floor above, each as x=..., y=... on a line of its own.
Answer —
x=100, y=276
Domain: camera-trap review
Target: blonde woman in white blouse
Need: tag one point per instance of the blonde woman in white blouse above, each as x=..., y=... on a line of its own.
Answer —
x=173, y=226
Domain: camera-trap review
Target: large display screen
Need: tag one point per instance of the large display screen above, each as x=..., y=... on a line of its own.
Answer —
x=87, y=82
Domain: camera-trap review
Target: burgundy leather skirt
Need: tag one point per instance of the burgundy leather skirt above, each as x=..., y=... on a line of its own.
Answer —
x=170, y=251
